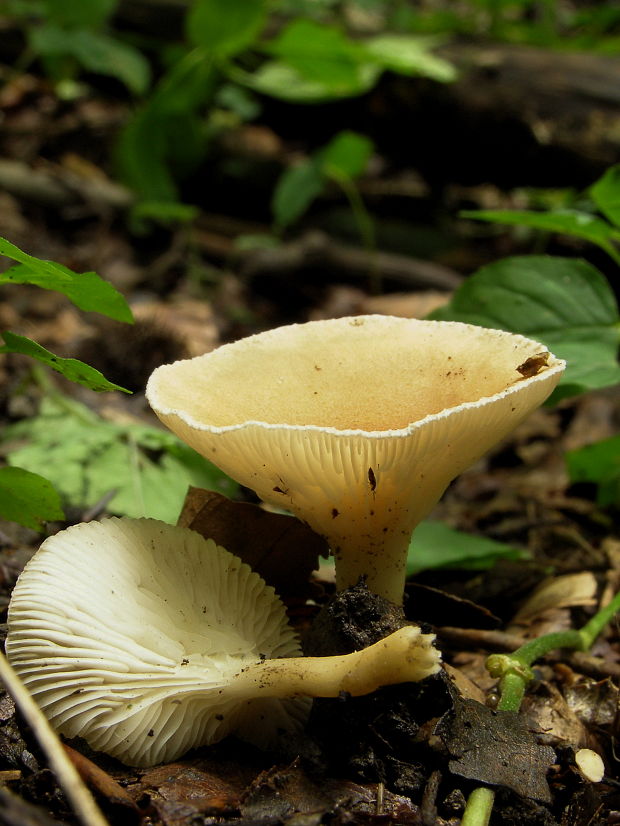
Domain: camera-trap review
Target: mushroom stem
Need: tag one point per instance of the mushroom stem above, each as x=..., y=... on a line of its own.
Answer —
x=380, y=560
x=404, y=656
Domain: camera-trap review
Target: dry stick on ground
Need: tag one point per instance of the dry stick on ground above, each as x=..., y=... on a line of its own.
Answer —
x=78, y=795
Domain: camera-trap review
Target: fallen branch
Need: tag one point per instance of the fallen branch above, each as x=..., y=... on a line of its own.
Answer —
x=77, y=794
x=318, y=250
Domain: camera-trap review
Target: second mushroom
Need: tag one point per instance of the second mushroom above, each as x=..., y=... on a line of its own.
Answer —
x=356, y=425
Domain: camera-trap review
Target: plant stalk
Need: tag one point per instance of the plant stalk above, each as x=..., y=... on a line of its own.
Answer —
x=514, y=673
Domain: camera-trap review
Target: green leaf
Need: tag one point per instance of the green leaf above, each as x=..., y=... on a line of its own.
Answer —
x=319, y=53
x=598, y=463
x=167, y=213
x=71, y=369
x=348, y=153
x=95, y=52
x=435, y=545
x=86, y=457
x=409, y=55
x=88, y=13
x=279, y=80
x=166, y=135
x=87, y=291
x=606, y=194
x=27, y=498
x=565, y=221
x=224, y=27
x=297, y=187
x=565, y=303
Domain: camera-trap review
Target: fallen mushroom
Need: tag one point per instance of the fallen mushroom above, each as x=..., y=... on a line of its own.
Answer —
x=148, y=640
x=356, y=425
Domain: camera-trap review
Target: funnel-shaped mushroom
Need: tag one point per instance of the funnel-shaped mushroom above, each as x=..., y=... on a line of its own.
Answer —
x=356, y=425
x=147, y=640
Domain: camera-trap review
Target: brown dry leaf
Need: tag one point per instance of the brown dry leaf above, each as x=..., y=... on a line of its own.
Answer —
x=495, y=748
x=283, y=550
x=284, y=791
x=546, y=711
x=565, y=591
x=595, y=703
x=189, y=791
x=406, y=305
x=466, y=688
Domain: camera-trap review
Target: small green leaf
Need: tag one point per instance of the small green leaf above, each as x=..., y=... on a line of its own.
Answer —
x=606, y=194
x=279, y=80
x=87, y=290
x=564, y=303
x=348, y=153
x=598, y=463
x=27, y=498
x=319, y=53
x=95, y=52
x=147, y=470
x=223, y=27
x=71, y=369
x=564, y=221
x=436, y=545
x=409, y=55
x=296, y=189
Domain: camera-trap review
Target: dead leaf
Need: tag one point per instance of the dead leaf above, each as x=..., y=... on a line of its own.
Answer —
x=495, y=748
x=283, y=550
x=558, y=592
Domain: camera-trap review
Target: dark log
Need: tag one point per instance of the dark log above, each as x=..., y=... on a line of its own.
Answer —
x=516, y=116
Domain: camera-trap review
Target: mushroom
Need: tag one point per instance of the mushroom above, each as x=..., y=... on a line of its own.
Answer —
x=147, y=640
x=356, y=425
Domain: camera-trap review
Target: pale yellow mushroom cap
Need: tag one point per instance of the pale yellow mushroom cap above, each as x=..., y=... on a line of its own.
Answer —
x=130, y=632
x=356, y=425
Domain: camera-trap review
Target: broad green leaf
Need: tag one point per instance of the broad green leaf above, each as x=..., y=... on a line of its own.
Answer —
x=279, y=80
x=563, y=302
x=71, y=369
x=53, y=271
x=95, y=52
x=606, y=194
x=348, y=153
x=148, y=470
x=27, y=498
x=564, y=221
x=436, y=545
x=297, y=187
x=87, y=13
x=225, y=27
x=409, y=55
x=87, y=290
x=598, y=463
x=141, y=157
x=167, y=132
x=319, y=53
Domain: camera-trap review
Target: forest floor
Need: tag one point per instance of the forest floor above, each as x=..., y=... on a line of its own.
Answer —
x=402, y=756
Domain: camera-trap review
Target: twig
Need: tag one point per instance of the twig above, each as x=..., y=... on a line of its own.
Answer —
x=316, y=249
x=78, y=795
